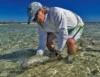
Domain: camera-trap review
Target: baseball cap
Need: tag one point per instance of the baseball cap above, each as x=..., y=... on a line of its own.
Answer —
x=32, y=10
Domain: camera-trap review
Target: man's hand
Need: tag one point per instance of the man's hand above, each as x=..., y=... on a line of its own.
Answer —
x=56, y=54
x=39, y=52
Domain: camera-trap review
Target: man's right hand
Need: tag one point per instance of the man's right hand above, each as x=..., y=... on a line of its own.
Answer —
x=56, y=55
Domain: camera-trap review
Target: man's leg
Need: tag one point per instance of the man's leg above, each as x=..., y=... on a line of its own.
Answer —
x=50, y=44
x=71, y=50
x=51, y=47
x=71, y=42
x=71, y=46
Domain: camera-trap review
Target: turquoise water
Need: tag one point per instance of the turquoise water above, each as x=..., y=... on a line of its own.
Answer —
x=21, y=35
x=19, y=42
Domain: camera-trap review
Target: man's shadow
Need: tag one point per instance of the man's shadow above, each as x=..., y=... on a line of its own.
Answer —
x=19, y=55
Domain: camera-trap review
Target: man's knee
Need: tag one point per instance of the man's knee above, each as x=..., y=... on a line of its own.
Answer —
x=71, y=41
x=71, y=44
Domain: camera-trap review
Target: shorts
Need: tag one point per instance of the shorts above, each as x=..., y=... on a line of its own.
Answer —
x=73, y=31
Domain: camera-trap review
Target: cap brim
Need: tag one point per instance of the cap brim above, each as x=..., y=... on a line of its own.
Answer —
x=30, y=19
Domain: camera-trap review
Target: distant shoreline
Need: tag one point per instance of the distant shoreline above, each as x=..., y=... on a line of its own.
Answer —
x=20, y=23
x=14, y=23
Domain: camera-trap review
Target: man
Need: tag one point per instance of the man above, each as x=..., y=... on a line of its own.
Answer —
x=56, y=26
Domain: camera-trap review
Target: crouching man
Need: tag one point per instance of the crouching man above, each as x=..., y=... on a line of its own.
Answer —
x=56, y=25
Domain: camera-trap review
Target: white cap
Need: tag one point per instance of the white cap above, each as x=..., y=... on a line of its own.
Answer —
x=32, y=10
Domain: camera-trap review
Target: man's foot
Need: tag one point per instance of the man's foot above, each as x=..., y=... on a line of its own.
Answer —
x=69, y=59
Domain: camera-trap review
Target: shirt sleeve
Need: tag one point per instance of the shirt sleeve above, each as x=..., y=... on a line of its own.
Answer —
x=42, y=39
x=61, y=24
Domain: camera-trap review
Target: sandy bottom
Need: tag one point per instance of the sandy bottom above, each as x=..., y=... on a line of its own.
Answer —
x=19, y=42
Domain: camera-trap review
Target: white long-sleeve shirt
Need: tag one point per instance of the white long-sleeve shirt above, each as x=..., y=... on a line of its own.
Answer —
x=58, y=21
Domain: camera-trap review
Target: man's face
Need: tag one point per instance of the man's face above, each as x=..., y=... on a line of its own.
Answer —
x=40, y=17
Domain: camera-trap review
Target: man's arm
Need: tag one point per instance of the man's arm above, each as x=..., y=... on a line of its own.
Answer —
x=42, y=41
x=61, y=24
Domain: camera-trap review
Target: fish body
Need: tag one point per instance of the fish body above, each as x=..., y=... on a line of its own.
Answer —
x=37, y=59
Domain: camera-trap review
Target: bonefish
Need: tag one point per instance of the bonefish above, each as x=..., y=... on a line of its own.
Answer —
x=37, y=59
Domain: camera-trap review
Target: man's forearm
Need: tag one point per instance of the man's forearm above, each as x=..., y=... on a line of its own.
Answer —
x=61, y=44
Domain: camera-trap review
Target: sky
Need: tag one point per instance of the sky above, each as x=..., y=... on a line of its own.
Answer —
x=15, y=10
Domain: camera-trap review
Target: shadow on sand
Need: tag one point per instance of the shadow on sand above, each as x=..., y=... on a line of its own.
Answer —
x=19, y=55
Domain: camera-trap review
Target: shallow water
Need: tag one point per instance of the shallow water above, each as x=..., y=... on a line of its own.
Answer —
x=19, y=42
